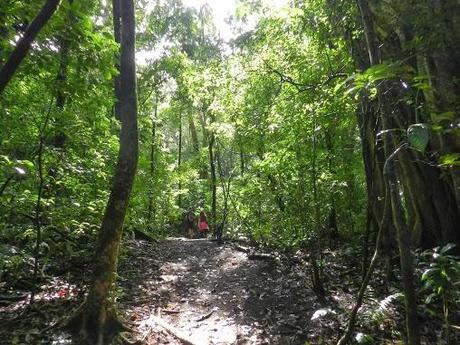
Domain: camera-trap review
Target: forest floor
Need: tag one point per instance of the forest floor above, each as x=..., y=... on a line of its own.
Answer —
x=214, y=294
x=195, y=291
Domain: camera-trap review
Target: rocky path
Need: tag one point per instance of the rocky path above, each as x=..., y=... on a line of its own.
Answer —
x=198, y=292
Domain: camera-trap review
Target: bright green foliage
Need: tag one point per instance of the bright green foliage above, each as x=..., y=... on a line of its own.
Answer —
x=271, y=107
x=441, y=280
x=293, y=112
x=284, y=107
x=79, y=137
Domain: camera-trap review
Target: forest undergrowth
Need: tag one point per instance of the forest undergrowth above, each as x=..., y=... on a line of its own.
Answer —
x=196, y=291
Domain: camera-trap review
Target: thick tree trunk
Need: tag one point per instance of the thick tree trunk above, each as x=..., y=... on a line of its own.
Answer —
x=442, y=65
x=407, y=269
x=402, y=231
x=433, y=213
x=96, y=318
x=372, y=151
x=23, y=46
x=346, y=337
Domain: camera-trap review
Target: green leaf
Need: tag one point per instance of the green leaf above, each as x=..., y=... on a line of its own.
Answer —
x=378, y=72
x=26, y=163
x=75, y=6
x=418, y=136
x=5, y=159
x=426, y=274
x=446, y=116
x=450, y=159
x=107, y=74
x=429, y=298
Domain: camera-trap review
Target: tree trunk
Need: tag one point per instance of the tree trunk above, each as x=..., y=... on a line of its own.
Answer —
x=116, y=17
x=393, y=186
x=225, y=194
x=212, y=165
x=193, y=134
x=317, y=250
x=242, y=162
x=274, y=187
x=372, y=151
x=407, y=269
x=346, y=337
x=332, y=226
x=38, y=205
x=60, y=136
x=61, y=77
x=204, y=130
x=151, y=207
x=96, y=318
x=24, y=44
x=179, y=162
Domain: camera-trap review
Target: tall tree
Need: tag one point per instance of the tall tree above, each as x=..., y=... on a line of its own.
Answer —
x=395, y=199
x=96, y=317
x=213, y=181
x=179, y=159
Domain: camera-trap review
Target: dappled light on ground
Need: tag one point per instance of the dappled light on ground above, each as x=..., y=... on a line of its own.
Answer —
x=197, y=292
x=211, y=294
x=25, y=323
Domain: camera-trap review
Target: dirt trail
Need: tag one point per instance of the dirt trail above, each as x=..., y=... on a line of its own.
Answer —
x=205, y=294
x=182, y=291
x=194, y=290
x=213, y=294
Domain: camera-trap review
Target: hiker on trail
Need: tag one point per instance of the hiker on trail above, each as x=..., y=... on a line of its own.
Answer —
x=188, y=224
x=203, y=224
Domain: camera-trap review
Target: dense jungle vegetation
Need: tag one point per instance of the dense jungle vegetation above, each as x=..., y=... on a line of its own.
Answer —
x=323, y=131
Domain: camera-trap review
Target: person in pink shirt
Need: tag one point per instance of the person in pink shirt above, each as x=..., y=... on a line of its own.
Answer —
x=203, y=224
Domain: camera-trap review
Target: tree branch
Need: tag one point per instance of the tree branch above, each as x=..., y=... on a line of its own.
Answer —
x=23, y=45
x=301, y=87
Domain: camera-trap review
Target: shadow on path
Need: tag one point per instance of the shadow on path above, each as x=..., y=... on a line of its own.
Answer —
x=214, y=294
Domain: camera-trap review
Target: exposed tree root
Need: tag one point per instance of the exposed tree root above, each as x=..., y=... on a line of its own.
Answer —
x=241, y=248
x=206, y=316
x=140, y=234
x=88, y=329
x=261, y=256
